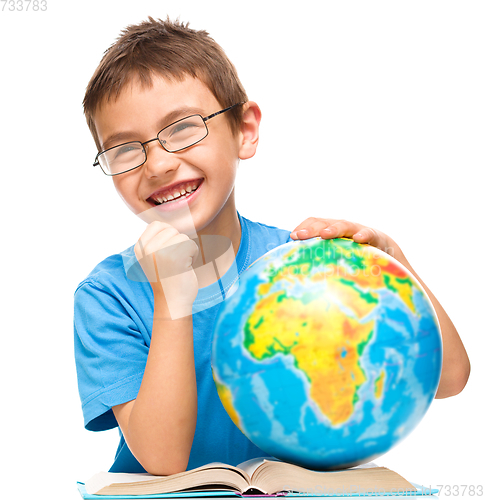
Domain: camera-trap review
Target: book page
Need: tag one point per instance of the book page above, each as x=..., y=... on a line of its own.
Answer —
x=275, y=477
x=249, y=466
x=102, y=479
x=106, y=479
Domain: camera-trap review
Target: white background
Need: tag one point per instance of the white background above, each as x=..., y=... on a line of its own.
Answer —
x=373, y=111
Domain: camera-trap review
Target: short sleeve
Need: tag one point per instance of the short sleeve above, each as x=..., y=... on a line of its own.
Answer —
x=111, y=351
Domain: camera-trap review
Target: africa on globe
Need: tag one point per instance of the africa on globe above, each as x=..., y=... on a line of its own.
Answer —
x=327, y=353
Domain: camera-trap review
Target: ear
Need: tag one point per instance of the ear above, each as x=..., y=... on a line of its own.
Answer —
x=249, y=130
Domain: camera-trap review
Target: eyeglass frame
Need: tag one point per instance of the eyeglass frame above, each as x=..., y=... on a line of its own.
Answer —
x=206, y=119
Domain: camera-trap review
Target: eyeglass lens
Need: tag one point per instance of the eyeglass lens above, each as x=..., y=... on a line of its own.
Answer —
x=122, y=158
x=183, y=133
x=179, y=135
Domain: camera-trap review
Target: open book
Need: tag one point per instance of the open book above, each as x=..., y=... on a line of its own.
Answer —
x=254, y=477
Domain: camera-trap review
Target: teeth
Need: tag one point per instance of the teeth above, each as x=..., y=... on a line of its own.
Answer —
x=183, y=194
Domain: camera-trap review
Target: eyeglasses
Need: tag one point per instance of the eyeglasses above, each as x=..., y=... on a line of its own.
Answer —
x=177, y=136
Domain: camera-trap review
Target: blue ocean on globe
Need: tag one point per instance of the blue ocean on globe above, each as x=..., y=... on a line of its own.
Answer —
x=327, y=353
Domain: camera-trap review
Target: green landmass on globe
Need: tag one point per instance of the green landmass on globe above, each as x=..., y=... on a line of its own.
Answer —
x=327, y=354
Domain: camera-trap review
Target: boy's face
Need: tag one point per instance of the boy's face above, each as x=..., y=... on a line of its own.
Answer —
x=138, y=114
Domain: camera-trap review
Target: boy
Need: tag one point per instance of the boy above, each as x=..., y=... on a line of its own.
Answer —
x=171, y=121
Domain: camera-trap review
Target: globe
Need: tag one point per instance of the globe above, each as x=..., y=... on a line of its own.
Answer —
x=326, y=353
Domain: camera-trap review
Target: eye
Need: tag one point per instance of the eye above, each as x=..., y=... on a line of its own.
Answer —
x=183, y=126
x=183, y=133
x=124, y=153
x=127, y=148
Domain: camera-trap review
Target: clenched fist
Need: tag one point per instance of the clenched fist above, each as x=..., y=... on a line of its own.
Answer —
x=166, y=257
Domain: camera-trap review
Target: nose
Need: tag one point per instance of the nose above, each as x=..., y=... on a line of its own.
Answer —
x=159, y=161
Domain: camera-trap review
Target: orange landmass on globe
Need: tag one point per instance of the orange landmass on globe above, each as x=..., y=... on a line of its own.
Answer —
x=370, y=271
x=379, y=384
x=226, y=400
x=325, y=342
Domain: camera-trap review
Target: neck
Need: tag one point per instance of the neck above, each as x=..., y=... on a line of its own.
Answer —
x=225, y=223
x=220, y=240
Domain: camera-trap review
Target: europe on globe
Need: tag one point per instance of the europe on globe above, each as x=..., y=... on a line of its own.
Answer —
x=326, y=353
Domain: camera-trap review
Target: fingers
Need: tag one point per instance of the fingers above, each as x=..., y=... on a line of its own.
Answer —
x=335, y=228
x=151, y=230
x=372, y=237
x=365, y=235
x=160, y=235
x=311, y=228
x=176, y=257
x=162, y=251
x=339, y=229
x=167, y=257
x=168, y=240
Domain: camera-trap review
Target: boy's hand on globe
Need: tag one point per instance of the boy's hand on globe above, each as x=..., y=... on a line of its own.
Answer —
x=166, y=257
x=335, y=228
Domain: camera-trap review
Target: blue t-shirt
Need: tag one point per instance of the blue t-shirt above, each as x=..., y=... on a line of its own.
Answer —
x=113, y=316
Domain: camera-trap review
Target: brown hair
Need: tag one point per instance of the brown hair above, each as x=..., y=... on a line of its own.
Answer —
x=171, y=50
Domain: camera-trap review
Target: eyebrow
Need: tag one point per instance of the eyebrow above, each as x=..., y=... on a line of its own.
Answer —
x=120, y=137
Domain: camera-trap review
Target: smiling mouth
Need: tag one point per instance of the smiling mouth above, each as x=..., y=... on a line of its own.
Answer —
x=177, y=193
